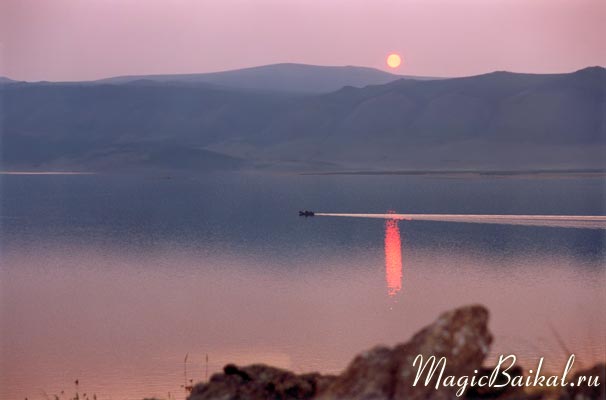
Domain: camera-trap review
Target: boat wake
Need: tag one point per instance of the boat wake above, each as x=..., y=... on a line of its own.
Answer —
x=555, y=221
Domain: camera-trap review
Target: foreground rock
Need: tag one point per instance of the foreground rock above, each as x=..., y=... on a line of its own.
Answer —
x=260, y=382
x=381, y=373
x=585, y=392
x=387, y=373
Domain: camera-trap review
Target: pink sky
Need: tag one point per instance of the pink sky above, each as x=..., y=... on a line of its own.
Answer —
x=79, y=40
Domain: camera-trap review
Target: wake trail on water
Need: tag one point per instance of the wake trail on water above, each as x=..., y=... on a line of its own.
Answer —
x=555, y=221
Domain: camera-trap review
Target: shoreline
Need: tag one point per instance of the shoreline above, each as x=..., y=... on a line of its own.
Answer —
x=46, y=173
x=543, y=173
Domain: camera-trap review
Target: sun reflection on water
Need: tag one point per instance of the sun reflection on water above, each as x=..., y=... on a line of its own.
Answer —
x=393, y=257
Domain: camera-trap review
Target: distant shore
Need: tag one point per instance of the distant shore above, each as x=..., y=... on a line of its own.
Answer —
x=543, y=173
x=445, y=173
x=45, y=173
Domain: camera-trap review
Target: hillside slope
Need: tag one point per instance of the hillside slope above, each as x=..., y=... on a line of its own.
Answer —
x=494, y=121
x=278, y=77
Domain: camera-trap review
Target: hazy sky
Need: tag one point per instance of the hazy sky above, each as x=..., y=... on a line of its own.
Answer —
x=88, y=39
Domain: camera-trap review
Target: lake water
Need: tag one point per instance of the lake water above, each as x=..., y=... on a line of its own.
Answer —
x=113, y=280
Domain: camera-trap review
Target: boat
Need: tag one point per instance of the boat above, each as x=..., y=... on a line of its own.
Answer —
x=306, y=213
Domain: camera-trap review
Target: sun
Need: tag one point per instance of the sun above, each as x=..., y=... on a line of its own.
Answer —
x=393, y=60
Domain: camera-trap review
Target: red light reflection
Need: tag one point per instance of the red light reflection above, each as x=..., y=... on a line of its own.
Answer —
x=393, y=257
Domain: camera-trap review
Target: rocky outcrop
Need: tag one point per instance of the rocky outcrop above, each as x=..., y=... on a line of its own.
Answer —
x=388, y=373
x=502, y=393
x=381, y=373
x=260, y=382
x=585, y=392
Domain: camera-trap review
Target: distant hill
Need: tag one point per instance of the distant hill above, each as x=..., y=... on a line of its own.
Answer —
x=5, y=80
x=278, y=77
x=497, y=120
x=500, y=120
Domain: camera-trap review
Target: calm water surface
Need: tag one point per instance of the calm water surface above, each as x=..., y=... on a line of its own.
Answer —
x=113, y=280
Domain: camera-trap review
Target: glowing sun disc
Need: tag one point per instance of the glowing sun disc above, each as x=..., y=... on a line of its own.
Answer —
x=394, y=60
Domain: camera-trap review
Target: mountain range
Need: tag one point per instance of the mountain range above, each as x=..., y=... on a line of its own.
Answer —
x=308, y=118
x=278, y=77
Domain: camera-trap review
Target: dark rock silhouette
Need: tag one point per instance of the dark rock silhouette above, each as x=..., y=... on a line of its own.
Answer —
x=507, y=392
x=586, y=392
x=386, y=373
x=260, y=382
x=382, y=373
x=460, y=335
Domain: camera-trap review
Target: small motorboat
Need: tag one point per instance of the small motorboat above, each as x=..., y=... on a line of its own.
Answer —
x=306, y=213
